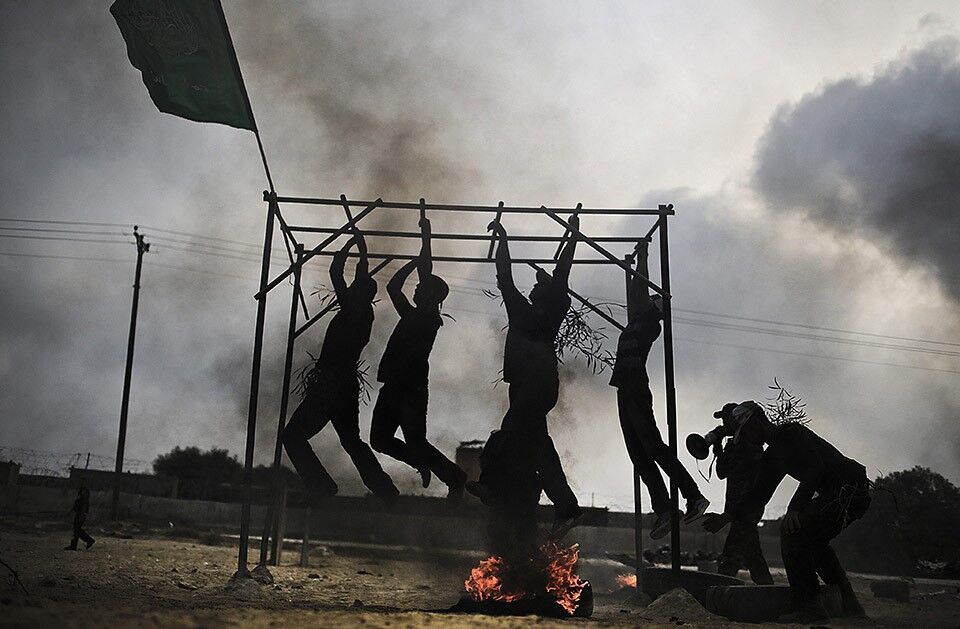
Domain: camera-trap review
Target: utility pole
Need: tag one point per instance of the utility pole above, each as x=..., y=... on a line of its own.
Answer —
x=142, y=248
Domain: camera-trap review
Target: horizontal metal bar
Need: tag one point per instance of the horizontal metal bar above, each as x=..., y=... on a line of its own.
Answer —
x=333, y=304
x=489, y=209
x=469, y=259
x=326, y=241
x=455, y=236
x=585, y=302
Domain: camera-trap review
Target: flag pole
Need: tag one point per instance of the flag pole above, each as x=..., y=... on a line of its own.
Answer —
x=272, y=212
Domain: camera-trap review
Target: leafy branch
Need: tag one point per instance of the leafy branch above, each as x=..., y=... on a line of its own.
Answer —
x=309, y=377
x=785, y=407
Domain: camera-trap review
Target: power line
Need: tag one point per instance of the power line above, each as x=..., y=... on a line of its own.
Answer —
x=469, y=290
x=812, y=337
x=65, y=239
x=58, y=257
x=824, y=356
x=63, y=222
x=202, y=248
x=193, y=235
x=815, y=327
x=61, y=231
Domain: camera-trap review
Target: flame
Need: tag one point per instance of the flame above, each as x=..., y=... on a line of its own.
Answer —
x=485, y=583
x=562, y=582
x=486, y=580
x=627, y=580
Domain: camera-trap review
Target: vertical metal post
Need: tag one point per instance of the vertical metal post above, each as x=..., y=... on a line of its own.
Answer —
x=269, y=519
x=276, y=547
x=671, y=392
x=637, y=506
x=305, y=543
x=142, y=247
x=271, y=198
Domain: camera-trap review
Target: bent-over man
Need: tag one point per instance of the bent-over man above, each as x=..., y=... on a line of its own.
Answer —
x=834, y=491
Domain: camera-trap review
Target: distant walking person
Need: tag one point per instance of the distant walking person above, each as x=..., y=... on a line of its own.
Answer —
x=80, y=509
x=530, y=368
x=739, y=464
x=833, y=492
x=333, y=393
x=404, y=371
x=635, y=404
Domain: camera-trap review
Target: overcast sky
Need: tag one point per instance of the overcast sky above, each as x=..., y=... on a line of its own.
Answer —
x=812, y=152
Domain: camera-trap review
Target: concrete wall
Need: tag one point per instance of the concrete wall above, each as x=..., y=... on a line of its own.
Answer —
x=375, y=527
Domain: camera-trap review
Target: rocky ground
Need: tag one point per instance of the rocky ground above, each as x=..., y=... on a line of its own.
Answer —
x=144, y=578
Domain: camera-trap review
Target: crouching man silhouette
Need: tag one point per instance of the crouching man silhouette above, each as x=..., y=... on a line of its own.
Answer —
x=834, y=491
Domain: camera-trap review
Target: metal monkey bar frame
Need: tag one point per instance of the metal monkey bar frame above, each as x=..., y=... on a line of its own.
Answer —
x=300, y=255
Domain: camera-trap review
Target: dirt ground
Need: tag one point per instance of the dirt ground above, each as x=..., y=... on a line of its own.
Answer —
x=152, y=580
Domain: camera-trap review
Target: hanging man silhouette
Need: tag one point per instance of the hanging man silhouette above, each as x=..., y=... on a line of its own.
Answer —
x=635, y=404
x=334, y=396
x=530, y=368
x=404, y=370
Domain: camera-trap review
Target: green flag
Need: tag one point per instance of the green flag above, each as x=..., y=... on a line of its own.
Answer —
x=184, y=51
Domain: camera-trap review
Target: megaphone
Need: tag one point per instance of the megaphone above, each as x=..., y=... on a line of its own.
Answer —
x=699, y=445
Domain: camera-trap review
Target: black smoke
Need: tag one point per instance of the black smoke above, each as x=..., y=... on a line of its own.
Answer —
x=878, y=158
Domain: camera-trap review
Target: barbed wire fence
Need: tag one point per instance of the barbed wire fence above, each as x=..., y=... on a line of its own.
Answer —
x=59, y=464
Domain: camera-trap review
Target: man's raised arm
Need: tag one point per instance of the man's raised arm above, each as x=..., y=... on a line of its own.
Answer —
x=425, y=263
x=395, y=287
x=561, y=274
x=363, y=263
x=638, y=297
x=336, y=269
x=503, y=262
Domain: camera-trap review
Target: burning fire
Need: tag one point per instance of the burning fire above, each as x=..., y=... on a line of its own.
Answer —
x=627, y=580
x=558, y=562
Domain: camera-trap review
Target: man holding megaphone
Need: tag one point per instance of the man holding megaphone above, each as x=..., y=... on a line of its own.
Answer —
x=739, y=463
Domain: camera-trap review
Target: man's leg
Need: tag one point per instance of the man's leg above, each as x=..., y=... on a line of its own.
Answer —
x=82, y=534
x=413, y=423
x=345, y=417
x=847, y=506
x=552, y=477
x=753, y=557
x=807, y=551
x=643, y=463
x=77, y=527
x=645, y=424
x=732, y=555
x=307, y=421
x=387, y=417
x=797, y=552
